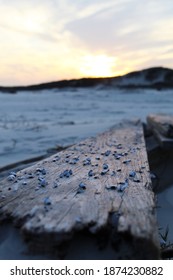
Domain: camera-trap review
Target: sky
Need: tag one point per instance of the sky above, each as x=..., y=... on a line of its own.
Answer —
x=50, y=40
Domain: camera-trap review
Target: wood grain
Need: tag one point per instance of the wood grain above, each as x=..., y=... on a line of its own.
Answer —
x=99, y=185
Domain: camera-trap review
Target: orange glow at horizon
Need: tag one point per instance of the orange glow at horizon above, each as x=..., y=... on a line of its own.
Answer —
x=98, y=66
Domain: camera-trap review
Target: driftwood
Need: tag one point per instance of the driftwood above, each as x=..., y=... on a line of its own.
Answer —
x=162, y=128
x=100, y=187
x=16, y=166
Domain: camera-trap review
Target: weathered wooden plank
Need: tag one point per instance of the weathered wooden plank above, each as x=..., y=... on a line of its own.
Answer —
x=101, y=186
x=16, y=166
x=162, y=128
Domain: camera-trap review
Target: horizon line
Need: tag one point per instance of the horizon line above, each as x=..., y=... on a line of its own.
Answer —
x=82, y=78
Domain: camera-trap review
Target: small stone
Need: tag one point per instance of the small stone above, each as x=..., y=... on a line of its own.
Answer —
x=107, y=153
x=30, y=176
x=90, y=173
x=123, y=186
x=104, y=172
x=118, y=156
x=136, y=180
x=47, y=201
x=42, y=182
x=13, y=173
x=80, y=190
x=111, y=187
x=41, y=170
x=11, y=177
x=119, y=146
x=87, y=161
x=55, y=185
x=21, y=178
x=82, y=186
x=67, y=156
x=127, y=161
x=97, y=158
x=132, y=174
x=105, y=166
x=113, y=173
x=66, y=173
x=56, y=158
x=97, y=192
x=74, y=161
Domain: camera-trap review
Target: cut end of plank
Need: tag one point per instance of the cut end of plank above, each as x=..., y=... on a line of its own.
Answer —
x=162, y=128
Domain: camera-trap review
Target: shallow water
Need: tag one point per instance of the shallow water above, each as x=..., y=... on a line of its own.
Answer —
x=32, y=122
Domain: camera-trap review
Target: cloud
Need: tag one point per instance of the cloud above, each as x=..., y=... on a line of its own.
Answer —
x=51, y=37
x=127, y=24
x=131, y=30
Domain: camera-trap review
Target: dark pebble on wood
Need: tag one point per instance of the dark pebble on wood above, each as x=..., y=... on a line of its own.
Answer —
x=132, y=174
x=90, y=173
x=47, y=201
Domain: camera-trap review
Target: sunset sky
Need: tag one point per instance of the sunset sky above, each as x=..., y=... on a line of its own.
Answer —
x=47, y=40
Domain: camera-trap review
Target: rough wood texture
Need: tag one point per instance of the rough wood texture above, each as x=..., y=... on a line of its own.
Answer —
x=162, y=127
x=101, y=186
